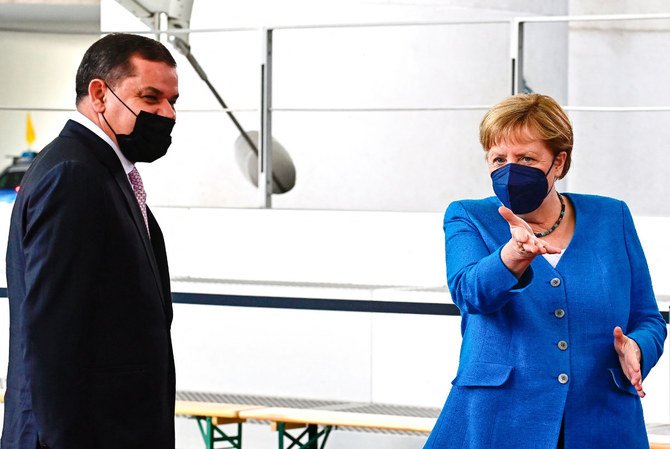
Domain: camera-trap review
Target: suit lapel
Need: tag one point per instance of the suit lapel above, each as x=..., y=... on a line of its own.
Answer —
x=122, y=181
x=108, y=157
x=158, y=245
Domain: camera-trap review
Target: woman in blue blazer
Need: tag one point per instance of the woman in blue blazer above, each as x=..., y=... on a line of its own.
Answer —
x=559, y=320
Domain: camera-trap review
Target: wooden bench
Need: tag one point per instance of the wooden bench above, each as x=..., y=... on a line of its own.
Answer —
x=211, y=416
x=318, y=424
x=659, y=436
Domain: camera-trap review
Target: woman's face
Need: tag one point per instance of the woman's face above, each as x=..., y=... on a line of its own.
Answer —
x=533, y=153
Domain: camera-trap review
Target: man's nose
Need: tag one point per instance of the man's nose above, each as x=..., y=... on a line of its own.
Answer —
x=167, y=110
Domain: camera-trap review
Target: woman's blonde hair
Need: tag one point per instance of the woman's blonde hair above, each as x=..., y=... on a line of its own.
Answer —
x=528, y=117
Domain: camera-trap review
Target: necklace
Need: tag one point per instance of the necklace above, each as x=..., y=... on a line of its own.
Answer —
x=560, y=219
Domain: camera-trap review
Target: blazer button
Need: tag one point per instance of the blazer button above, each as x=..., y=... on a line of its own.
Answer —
x=562, y=345
x=555, y=282
x=559, y=313
x=563, y=378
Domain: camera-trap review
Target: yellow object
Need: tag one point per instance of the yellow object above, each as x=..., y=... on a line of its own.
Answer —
x=30, y=131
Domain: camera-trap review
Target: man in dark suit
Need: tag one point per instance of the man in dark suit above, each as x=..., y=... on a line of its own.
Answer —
x=90, y=357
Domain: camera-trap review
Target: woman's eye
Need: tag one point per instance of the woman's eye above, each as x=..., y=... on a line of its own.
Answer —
x=498, y=160
x=527, y=159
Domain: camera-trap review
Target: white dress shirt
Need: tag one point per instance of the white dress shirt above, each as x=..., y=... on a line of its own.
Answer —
x=85, y=121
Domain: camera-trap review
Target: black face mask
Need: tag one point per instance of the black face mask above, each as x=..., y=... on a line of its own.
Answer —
x=149, y=139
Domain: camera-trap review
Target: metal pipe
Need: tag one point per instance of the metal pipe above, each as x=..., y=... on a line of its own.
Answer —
x=265, y=138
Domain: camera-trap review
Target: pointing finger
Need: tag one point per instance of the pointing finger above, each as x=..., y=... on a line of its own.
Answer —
x=510, y=217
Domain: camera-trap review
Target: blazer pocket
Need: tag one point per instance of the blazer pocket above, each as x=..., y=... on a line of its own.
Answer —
x=622, y=382
x=483, y=375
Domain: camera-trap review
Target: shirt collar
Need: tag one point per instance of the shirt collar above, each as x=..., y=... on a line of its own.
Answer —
x=88, y=123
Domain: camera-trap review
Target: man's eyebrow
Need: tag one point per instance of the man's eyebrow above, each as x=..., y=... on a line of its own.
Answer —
x=151, y=90
x=154, y=91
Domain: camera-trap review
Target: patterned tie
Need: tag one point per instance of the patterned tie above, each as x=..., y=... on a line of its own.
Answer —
x=140, y=194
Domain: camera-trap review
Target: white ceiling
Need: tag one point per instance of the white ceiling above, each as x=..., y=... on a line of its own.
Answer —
x=52, y=15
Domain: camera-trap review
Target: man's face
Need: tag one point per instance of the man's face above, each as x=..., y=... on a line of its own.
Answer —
x=153, y=89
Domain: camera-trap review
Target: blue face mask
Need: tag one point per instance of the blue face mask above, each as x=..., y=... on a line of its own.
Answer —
x=520, y=188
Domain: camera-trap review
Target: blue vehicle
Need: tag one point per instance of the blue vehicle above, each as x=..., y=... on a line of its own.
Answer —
x=10, y=178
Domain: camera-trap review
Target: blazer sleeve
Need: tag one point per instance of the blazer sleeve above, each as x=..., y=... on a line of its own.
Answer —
x=478, y=280
x=63, y=235
x=645, y=325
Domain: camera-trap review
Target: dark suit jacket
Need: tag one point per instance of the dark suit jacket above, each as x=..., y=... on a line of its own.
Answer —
x=90, y=357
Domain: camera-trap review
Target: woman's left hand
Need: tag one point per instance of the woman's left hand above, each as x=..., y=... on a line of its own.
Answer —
x=629, y=358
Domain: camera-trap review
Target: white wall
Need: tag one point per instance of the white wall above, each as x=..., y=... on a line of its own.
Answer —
x=38, y=72
x=413, y=161
x=416, y=161
x=377, y=160
x=621, y=64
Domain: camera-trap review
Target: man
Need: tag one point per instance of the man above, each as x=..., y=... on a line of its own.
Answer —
x=90, y=357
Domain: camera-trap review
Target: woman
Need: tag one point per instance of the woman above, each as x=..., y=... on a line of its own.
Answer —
x=559, y=320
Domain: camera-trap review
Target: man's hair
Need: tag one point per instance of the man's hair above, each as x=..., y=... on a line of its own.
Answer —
x=526, y=117
x=109, y=59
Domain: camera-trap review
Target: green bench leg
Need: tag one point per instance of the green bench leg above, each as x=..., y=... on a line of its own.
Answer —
x=311, y=436
x=213, y=434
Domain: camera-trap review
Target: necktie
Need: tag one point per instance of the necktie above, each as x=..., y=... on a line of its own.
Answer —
x=140, y=194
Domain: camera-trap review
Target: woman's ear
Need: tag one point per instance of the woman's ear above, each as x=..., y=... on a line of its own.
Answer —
x=97, y=89
x=559, y=165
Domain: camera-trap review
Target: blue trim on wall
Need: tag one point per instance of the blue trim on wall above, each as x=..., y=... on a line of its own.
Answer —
x=341, y=305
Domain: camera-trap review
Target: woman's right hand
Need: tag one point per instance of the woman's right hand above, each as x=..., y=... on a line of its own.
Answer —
x=523, y=246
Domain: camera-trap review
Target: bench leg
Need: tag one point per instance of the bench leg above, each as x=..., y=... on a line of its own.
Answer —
x=311, y=434
x=213, y=434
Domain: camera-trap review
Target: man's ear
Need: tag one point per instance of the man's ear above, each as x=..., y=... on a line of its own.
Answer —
x=97, y=89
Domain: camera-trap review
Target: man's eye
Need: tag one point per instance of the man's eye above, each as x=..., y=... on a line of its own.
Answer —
x=150, y=98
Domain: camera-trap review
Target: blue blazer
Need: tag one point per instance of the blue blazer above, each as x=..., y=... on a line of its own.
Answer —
x=90, y=354
x=539, y=349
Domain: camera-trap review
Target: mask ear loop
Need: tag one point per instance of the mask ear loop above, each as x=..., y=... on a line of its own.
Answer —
x=117, y=97
x=110, y=126
x=553, y=162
